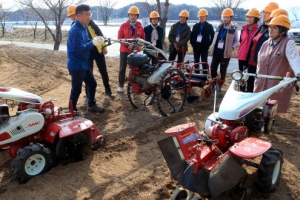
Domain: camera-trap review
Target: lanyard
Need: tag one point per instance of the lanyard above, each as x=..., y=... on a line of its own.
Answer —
x=201, y=28
x=223, y=33
x=132, y=29
x=180, y=29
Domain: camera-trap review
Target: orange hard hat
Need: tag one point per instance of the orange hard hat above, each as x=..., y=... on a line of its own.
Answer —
x=154, y=14
x=227, y=12
x=270, y=7
x=184, y=13
x=133, y=10
x=279, y=11
x=253, y=13
x=71, y=10
x=202, y=13
x=281, y=20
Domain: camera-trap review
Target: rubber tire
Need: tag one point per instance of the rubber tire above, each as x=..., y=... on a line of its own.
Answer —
x=131, y=101
x=29, y=152
x=269, y=170
x=160, y=85
x=268, y=125
x=179, y=194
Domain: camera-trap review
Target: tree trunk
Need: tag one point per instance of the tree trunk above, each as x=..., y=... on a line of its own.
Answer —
x=45, y=34
x=3, y=30
x=56, y=45
x=165, y=19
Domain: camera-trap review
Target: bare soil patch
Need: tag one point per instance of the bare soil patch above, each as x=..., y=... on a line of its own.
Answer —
x=131, y=166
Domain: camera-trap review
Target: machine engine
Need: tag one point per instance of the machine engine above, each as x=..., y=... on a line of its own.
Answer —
x=4, y=114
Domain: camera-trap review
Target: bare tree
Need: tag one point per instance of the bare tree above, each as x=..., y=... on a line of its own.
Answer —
x=163, y=20
x=3, y=14
x=33, y=22
x=220, y=5
x=16, y=17
x=295, y=10
x=148, y=5
x=24, y=12
x=58, y=14
x=106, y=8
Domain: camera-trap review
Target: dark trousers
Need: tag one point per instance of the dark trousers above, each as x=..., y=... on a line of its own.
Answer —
x=216, y=60
x=242, y=65
x=77, y=77
x=204, y=54
x=250, y=82
x=173, y=55
x=123, y=65
x=101, y=64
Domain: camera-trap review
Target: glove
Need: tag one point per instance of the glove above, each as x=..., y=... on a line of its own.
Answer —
x=245, y=77
x=98, y=40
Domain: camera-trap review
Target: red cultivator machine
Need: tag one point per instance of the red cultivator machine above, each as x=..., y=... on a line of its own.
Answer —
x=210, y=167
x=212, y=162
x=40, y=132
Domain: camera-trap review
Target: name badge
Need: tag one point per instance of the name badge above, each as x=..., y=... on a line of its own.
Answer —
x=220, y=44
x=177, y=38
x=199, y=38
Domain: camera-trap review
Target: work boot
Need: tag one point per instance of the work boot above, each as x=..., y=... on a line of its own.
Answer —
x=96, y=109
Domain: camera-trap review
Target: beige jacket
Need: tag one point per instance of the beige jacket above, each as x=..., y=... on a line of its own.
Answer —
x=229, y=43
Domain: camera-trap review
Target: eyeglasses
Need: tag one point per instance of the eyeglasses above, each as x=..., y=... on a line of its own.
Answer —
x=87, y=14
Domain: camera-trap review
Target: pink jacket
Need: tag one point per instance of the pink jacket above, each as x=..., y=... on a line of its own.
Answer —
x=245, y=41
x=125, y=32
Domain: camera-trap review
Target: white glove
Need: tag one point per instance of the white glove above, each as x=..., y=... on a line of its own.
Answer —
x=245, y=76
x=98, y=40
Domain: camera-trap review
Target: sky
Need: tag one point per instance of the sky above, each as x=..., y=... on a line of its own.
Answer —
x=248, y=4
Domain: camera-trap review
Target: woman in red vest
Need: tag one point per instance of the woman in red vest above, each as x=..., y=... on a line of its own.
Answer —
x=247, y=32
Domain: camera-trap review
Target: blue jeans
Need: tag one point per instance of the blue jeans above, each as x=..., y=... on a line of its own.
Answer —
x=79, y=76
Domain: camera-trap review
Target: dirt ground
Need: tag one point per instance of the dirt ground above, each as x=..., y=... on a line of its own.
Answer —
x=131, y=166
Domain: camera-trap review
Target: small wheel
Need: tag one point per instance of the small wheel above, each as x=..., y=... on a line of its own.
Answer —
x=100, y=142
x=171, y=92
x=31, y=161
x=179, y=194
x=268, y=125
x=139, y=100
x=269, y=170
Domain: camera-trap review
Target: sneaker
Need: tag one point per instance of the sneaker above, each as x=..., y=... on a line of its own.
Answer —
x=120, y=89
x=96, y=108
x=109, y=93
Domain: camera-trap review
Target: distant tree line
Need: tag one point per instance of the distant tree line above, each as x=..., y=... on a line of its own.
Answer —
x=174, y=10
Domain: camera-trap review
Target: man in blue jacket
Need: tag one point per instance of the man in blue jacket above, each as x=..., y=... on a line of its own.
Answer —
x=78, y=50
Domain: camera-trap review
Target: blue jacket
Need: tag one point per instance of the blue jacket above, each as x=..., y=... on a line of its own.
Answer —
x=78, y=47
x=207, y=33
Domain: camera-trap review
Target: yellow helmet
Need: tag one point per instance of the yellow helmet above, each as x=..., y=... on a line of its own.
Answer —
x=279, y=11
x=281, y=20
x=270, y=7
x=71, y=10
x=133, y=10
x=184, y=13
x=253, y=13
x=202, y=13
x=227, y=12
x=154, y=14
